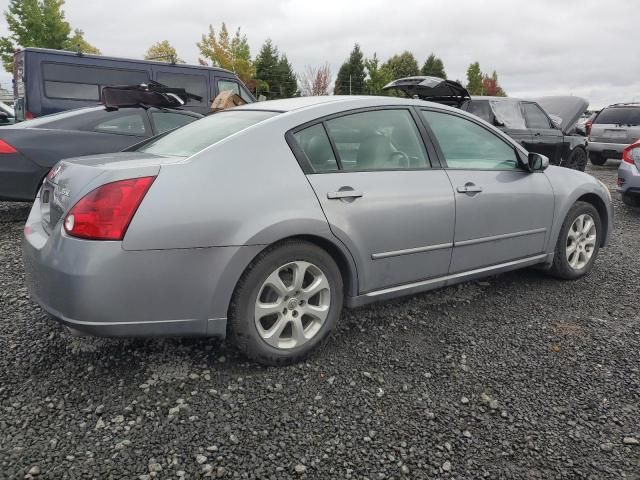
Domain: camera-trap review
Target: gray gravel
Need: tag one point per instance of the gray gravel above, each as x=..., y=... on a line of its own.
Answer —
x=518, y=376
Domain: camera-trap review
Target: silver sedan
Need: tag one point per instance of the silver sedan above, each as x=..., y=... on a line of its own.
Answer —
x=260, y=223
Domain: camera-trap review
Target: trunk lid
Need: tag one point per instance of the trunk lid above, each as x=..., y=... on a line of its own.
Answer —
x=433, y=89
x=70, y=180
x=564, y=110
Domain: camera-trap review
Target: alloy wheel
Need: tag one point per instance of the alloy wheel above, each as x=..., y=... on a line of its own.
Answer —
x=292, y=305
x=581, y=241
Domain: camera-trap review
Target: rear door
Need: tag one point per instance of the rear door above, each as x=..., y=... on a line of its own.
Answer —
x=546, y=138
x=382, y=195
x=503, y=213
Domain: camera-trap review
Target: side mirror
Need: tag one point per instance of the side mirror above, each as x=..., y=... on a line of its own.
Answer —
x=537, y=162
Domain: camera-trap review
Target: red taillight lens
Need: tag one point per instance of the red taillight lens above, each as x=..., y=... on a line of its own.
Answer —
x=6, y=148
x=631, y=154
x=28, y=115
x=587, y=128
x=105, y=213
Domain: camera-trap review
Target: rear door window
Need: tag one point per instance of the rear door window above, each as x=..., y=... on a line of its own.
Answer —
x=132, y=124
x=378, y=140
x=317, y=148
x=619, y=116
x=536, y=118
x=192, y=83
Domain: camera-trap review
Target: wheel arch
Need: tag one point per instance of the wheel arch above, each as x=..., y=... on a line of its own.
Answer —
x=601, y=207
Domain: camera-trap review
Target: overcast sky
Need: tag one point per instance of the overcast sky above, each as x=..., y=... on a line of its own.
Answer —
x=543, y=47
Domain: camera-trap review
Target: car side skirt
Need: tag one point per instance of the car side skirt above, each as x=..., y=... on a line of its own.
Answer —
x=433, y=283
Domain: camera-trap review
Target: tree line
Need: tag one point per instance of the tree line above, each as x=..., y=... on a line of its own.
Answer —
x=42, y=23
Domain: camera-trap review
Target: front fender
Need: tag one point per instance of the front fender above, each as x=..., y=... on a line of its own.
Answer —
x=570, y=186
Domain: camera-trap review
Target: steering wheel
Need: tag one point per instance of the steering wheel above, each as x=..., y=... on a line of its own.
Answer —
x=404, y=159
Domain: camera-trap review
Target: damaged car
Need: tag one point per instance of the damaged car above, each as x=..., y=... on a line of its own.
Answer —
x=545, y=125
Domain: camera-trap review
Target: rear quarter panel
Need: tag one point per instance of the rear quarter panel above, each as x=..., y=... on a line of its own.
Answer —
x=246, y=190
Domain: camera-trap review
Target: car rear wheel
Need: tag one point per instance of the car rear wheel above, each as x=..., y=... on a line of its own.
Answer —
x=286, y=304
x=578, y=243
x=577, y=159
x=597, y=159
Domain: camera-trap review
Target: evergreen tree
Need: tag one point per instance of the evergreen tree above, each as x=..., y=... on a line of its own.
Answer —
x=274, y=72
x=474, y=79
x=433, y=67
x=351, y=76
x=288, y=81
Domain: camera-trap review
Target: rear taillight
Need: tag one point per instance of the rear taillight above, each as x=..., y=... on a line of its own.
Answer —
x=105, y=213
x=28, y=115
x=587, y=128
x=631, y=154
x=6, y=148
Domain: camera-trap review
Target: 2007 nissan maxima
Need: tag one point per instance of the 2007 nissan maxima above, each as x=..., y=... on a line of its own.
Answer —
x=259, y=223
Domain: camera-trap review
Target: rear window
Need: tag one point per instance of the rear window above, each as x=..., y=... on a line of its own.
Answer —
x=196, y=84
x=196, y=136
x=619, y=116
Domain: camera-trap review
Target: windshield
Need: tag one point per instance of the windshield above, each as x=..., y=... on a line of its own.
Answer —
x=192, y=138
x=619, y=116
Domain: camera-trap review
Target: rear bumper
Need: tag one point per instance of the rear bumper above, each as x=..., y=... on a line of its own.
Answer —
x=98, y=288
x=610, y=150
x=19, y=178
x=628, y=179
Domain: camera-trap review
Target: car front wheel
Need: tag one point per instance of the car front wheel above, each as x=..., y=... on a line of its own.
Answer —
x=286, y=303
x=578, y=243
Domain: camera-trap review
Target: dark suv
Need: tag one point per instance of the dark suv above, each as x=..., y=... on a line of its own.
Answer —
x=613, y=130
x=546, y=125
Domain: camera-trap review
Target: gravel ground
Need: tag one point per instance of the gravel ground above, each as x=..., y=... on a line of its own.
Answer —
x=518, y=376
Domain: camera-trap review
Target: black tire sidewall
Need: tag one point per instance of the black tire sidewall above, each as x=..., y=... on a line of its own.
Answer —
x=578, y=159
x=561, y=265
x=242, y=324
x=597, y=159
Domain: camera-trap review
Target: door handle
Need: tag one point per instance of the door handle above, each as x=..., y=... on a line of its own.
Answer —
x=537, y=134
x=469, y=188
x=344, y=194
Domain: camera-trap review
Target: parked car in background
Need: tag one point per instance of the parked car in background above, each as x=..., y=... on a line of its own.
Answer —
x=50, y=81
x=261, y=221
x=612, y=130
x=523, y=120
x=29, y=149
x=7, y=114
x=629, y=175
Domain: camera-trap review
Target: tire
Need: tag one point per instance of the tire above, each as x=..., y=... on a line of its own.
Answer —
x=565, y=266
x=632, y=201
x=597, y=159
x=577, y=159
x=296, y=327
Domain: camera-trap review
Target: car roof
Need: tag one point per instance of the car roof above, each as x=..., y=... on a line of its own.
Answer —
x=498, y=99
x=340, y=101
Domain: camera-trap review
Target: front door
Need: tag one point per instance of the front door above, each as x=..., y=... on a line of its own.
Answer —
x=503, y=212
x=381, y=196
